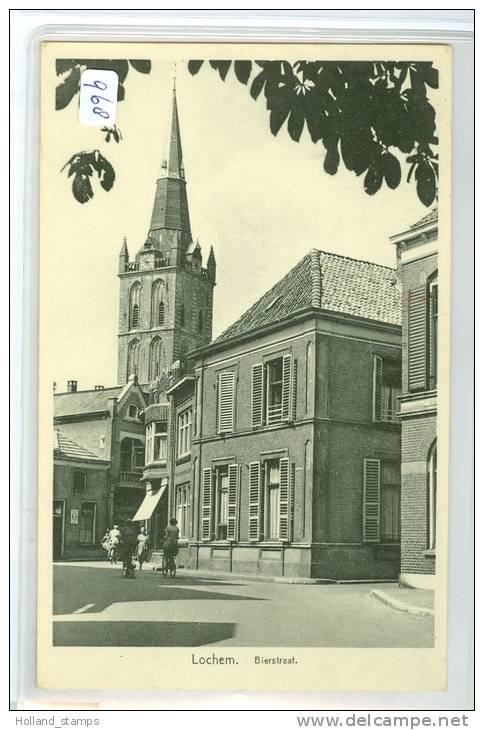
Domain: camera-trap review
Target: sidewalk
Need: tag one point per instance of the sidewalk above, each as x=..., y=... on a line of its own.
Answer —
x=415, y=601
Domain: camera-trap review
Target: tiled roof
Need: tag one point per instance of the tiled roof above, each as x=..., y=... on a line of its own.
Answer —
x=66, y=447
x=431, y=217
x=84, y=401
x=329, y=282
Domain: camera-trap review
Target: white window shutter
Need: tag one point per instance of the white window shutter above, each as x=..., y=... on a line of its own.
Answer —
x=255, y=493
x=233, y=498
x=226, y=398
x=284, y=499
x=294, y=391
x=417, y=339
x=371, y=500
x=377, y=387
x=257, y=394
x=286, y=387
x=207, y=506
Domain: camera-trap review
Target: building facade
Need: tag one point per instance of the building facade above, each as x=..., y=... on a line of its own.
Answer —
x=294, y=463
x=418, y=272
x=81, y=500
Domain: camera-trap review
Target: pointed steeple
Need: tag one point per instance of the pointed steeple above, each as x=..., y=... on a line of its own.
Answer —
x=170, y=208
x=123, y=256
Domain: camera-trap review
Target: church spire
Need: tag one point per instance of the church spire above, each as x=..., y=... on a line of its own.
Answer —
x=170, y=208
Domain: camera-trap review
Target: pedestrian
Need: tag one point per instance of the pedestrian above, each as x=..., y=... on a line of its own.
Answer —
x=114, y=540
x=105, y=541
x=170, y=547
x=142, y=547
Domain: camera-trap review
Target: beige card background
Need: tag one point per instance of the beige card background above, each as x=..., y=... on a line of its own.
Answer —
x=71, y=239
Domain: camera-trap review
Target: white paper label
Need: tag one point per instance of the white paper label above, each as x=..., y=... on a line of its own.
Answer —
x=98, y=97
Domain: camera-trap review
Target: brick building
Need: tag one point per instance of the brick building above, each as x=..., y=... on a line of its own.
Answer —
x=106, y=423
x=287, y=441
x=417, y=270
x=81, y=500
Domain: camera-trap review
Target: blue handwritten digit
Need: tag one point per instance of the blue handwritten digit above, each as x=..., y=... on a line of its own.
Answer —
x=97, y=99
x=100, y=112
x=98, y=85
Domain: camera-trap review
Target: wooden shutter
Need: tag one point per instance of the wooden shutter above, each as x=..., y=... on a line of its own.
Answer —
x=377, y=387
x=371, y=500
x=284, y=500
x=255, y=493
x=294, y=391
x=257, y=394
x=286, y=387
x=226, y=394
x=207, y=507
x=417, y=338
x=232, y=501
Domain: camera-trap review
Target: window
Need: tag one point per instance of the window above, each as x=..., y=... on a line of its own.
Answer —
x=134, y=306
x=386, y=389
x=155, y=358
x=133, y=412
x=79, y=480
x=87, y=523
x=133, y=357
x=433, y=333
x=432, y=472
x=182, y=315
x=221, y=502
x=225, y=401
x=184, y=432
x=272, y=500
x=273, y=391
x=182, y=508
x=422, y=335
x=381, y=501
x=156, y=434
x=200, y=321
x=157, y=304
x=132, y=455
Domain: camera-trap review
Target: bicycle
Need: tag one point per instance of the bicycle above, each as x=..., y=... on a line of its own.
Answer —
x=168, y=565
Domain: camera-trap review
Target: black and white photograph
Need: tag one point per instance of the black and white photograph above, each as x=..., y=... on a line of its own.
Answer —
x=243, y=372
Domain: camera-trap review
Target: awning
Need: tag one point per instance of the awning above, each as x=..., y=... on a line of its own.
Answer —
x=147, y=506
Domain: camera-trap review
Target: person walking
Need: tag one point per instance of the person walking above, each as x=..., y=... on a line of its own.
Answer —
x=170, y=547
x=114, y=540
x=142, y=547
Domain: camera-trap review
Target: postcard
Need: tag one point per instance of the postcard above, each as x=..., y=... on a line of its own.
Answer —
x=244, y=366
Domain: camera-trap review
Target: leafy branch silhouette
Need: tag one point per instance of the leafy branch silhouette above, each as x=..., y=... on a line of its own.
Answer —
x=83, y=165
x=361, y=112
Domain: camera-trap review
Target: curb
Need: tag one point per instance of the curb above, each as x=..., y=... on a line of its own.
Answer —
x=248, y=576
x=400, y=605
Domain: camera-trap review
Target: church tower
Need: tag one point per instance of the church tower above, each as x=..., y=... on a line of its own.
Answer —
x=166, y=295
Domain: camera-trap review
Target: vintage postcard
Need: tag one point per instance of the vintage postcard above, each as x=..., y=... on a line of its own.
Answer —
x=244, y=366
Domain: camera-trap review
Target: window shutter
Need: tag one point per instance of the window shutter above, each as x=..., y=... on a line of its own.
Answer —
x=255, y=517
x=371, y=500
x=207, y=504
x=286, y=387
x=294, y=391
x=417, y=339
x=257, y=394
x=284, y=500
x=226, y=393
x=377, y=386
x=232, y=501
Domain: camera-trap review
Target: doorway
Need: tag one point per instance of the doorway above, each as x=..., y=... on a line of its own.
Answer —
x=58, y=529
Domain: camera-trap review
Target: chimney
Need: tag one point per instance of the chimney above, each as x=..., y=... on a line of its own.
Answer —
x=99, y=387
x=72, y=386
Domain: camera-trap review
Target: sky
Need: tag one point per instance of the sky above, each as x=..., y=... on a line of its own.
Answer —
x=263, y=202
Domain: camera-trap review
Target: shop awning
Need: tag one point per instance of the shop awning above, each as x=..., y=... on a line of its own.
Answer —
x=147, y=506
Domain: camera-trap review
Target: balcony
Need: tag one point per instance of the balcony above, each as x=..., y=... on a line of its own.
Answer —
x=130, y=479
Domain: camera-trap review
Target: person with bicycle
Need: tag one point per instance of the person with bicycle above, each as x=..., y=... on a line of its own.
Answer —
x=170, y=547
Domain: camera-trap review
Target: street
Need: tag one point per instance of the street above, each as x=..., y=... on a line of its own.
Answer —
x=95, y=606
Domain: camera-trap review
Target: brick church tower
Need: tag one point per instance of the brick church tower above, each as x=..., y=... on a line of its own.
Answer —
x=166, y=295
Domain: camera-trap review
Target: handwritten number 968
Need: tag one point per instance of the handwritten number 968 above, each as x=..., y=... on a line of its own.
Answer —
x=97, y=99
